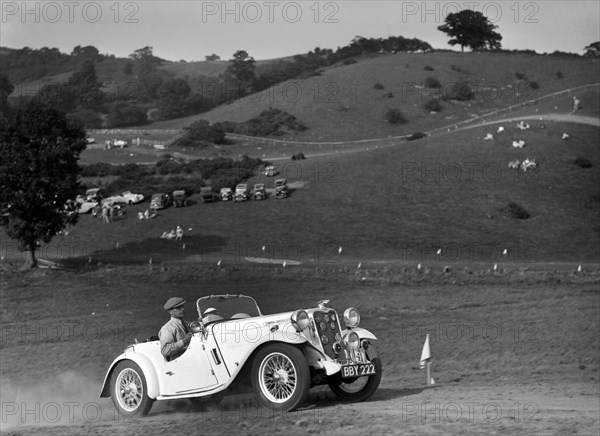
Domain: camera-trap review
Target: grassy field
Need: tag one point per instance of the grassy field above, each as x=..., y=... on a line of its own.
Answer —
x=398, y=204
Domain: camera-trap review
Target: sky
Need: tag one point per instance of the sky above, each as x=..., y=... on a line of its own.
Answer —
x=191, y=30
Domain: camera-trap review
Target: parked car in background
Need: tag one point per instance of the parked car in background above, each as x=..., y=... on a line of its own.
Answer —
x=94, y=194
x=242, y=192
x=281, y=189
x=226, y=194
x=160, y=201
x=83, y=205
x=290, y=352
x=209, y=197
x=270, y=171
x=180, y=198
x=260, y=192
x=126, y=197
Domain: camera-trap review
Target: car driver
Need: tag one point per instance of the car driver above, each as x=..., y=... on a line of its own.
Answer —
x=175, y=335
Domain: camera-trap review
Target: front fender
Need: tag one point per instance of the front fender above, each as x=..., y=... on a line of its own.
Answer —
x=362, y=333
x=146, y=367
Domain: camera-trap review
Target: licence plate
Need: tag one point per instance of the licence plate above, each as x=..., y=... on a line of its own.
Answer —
x=358, y=370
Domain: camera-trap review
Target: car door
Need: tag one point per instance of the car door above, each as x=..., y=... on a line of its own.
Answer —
x=190, y=372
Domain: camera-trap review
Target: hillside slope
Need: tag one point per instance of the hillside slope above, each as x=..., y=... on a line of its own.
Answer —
x=342, y=103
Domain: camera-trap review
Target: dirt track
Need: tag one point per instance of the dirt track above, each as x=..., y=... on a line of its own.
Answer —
x=513, y=354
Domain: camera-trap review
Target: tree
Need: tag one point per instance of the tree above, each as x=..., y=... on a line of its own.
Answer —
x=89, y=52
x=173, y=94
x=86, y=86
x=38, y=172
x=242, y=71
x=6, y=88
x=212, y=57
x=593, y=50
x=471, y=29
x=146, y=73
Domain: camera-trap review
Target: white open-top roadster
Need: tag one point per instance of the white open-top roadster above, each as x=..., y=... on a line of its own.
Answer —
x=285, y=354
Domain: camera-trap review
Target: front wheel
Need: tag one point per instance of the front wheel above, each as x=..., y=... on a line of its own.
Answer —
x=280, y=377
x=129, y=391
x=359, y=388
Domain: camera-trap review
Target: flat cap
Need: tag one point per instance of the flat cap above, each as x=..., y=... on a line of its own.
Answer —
x=173, y=302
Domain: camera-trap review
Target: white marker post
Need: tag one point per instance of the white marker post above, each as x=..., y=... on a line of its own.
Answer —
x=426, y=361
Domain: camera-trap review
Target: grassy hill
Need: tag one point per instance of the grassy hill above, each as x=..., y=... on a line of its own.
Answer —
x=342, y=102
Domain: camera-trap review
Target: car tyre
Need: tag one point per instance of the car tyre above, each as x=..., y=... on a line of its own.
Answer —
x=280, y=377
x=359, y=388
x=129, y=391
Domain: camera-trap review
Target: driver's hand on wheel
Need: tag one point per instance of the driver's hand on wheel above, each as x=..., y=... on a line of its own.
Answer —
x=187, y=338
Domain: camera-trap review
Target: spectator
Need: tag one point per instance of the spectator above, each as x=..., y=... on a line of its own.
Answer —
x=105, y=218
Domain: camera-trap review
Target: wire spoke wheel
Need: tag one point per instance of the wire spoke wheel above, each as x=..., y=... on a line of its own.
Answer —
x=129, y=391
x=280, y=376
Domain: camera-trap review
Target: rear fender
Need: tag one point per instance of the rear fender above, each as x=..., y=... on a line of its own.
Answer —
x=146, y=367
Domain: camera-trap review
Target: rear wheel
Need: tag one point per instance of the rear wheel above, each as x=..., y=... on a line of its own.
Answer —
x=280, y=376
x=358, y=388
x=129, y=391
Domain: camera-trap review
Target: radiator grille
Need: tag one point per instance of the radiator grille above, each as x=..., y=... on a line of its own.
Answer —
x=328, y=330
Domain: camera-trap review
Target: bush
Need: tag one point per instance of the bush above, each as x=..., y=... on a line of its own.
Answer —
x=378, y=86
x=432, y=82
x=201, y=130
x=559, y=74
x=267, y=123
x=99, y=169
x=394, y=116
x=458, y=69
x=388, y=95
x=533, y=85
x=298, y=156
x=349, y=61
x=433, y=106
x=125, y=114
x=520, y=76
x=514, y=210
x=88, y=117
x=417, y=135
x=428, y=68
x=461, y=91
x=582, y=162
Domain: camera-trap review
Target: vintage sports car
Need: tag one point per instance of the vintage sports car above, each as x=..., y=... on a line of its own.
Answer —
x=259, y=193
x=126, y=197
x=242, y=192
x=226, y=194
x=283, y=354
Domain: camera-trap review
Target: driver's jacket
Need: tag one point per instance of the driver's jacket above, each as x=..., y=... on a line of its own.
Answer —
x=171, y=338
